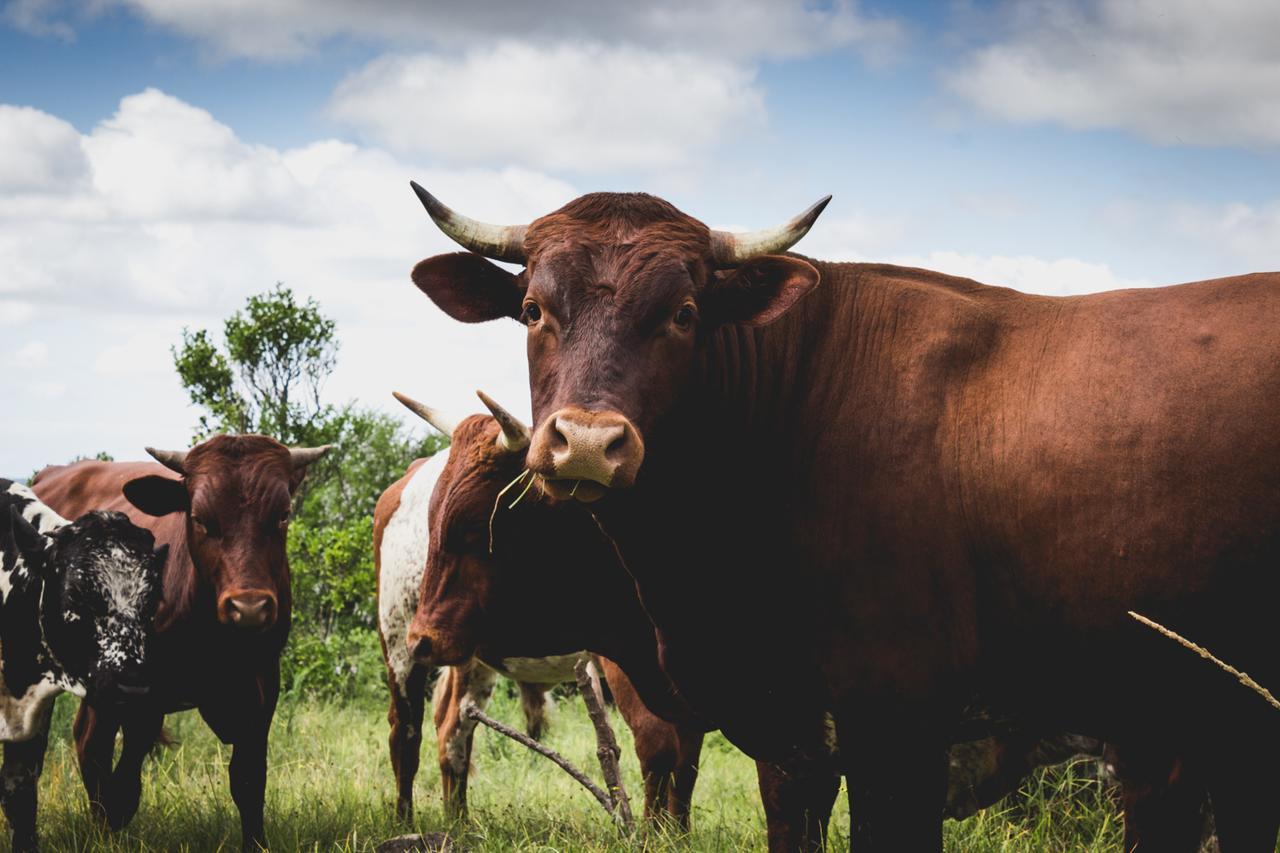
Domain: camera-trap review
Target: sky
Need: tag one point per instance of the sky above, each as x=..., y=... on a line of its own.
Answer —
x=161, y=160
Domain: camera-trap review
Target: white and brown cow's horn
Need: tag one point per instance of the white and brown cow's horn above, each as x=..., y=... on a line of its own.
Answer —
x=301, y=457
x=428, y=414
x=729, y=249
x=500, y=242
x=515, y=435
x=174, y=460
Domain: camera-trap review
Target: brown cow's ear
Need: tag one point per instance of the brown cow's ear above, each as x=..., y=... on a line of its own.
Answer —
x=469, y=288
x=759, y=291
x=157, y=495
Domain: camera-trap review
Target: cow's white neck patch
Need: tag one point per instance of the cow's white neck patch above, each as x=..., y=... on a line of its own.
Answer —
x=402, y=561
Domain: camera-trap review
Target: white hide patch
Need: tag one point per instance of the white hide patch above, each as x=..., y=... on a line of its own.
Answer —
x=552, y=670
x=23, y=717
x=37, y=514
x=403, y=559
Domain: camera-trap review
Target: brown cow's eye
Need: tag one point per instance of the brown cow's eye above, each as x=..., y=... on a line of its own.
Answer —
x=283, y=524
x=684, y=316
x=204, y=527
x=532, y=313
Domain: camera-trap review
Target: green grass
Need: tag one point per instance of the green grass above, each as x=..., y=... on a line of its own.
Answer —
x=330, y=788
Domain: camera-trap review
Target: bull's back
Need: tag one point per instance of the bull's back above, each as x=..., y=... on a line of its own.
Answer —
x=72, y=490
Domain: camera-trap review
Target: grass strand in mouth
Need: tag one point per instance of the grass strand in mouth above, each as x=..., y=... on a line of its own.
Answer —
x=525, y=491
x=498, y=500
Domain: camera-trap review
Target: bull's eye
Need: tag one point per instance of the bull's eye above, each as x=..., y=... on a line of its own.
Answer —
x=531, y=314
x=204, y=526
x=283, y=523
x=684, y=316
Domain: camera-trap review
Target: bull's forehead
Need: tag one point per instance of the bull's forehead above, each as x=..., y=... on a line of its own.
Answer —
x=625, y=275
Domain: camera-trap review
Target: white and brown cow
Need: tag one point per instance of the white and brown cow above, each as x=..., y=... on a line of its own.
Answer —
x=76, y=603
x=529, y=634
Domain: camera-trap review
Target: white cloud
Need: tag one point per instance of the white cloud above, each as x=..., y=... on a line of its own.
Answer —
x=734, y=28
x=106, y=276
x=581, y=107
x=1060, y=277
x=1172, y=71
x=42, y=154
x=38, y=18
x=1245, y=233
x=31, y=355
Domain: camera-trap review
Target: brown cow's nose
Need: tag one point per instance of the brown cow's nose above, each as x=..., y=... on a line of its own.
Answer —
x=577, y=445
x=419, y=647
x=248, y=609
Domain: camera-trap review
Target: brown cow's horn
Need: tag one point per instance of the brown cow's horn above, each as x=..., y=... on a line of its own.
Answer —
x=515, y=435
x=301, y=457
x=729, y=249
x=174, y=460
x=500, y=242
x=428, y=414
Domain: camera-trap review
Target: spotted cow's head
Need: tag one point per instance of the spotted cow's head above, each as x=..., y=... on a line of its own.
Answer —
x=99, y=585
x=480, y=588
x=619, y=292
x=236, y=492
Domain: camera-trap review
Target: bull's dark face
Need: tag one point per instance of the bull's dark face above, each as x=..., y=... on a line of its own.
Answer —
x=455, y=596
x=102, y=580
x=237, y=494
x=619, y=294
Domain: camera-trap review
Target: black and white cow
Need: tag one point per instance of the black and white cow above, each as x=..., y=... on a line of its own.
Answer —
x=77, y=599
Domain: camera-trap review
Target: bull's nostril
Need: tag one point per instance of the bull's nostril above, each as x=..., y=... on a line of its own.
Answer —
x=557, y=438
x=421, y=649
x=617, y=445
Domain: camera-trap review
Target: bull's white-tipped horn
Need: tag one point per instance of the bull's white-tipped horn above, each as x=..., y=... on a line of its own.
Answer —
x=515, y=435
x=301, y=457
x=729, y=249
x=174, y=460
x=500, y=242
x=432, y=416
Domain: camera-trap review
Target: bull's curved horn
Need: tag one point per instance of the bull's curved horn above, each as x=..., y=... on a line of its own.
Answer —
x=428, y=414
x=500, y=242
x=301, y=457
x=174, y=460
x=729, y=249
x=515, y=435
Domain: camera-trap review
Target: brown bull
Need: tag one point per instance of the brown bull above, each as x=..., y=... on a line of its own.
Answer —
x=971, y=488
x=223, y=509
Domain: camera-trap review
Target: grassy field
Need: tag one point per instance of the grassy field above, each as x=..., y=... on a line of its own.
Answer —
x=330, y=788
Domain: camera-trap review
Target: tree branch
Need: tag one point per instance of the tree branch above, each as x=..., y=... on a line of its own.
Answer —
x=606, y=744
x=481, y=717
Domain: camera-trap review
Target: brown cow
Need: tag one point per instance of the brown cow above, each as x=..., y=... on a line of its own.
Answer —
x=971, y=490
x=481, y=614
x=223, y=509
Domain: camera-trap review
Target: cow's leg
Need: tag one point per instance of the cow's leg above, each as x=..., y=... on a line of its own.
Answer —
x=467, y=686
x=668, y=753
x=533, y=701
x=797, y=805
x=19, y=779
x=125, y=791
x=95, y=734
x=405, y=717
x=897, y=778
x=1246, y=802
x=1162, y=798
x=248, y=768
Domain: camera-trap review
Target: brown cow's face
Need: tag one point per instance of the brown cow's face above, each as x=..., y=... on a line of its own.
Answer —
x=619, y=293
x=237, y=493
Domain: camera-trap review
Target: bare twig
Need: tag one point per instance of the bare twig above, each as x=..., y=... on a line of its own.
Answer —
x=1242, y=677
x=606, y=745
x=481, y=717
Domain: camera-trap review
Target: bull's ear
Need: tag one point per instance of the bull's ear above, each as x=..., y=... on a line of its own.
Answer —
x=759, y=291
x=469, y=288
x=32, y=544
x=156, y=495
